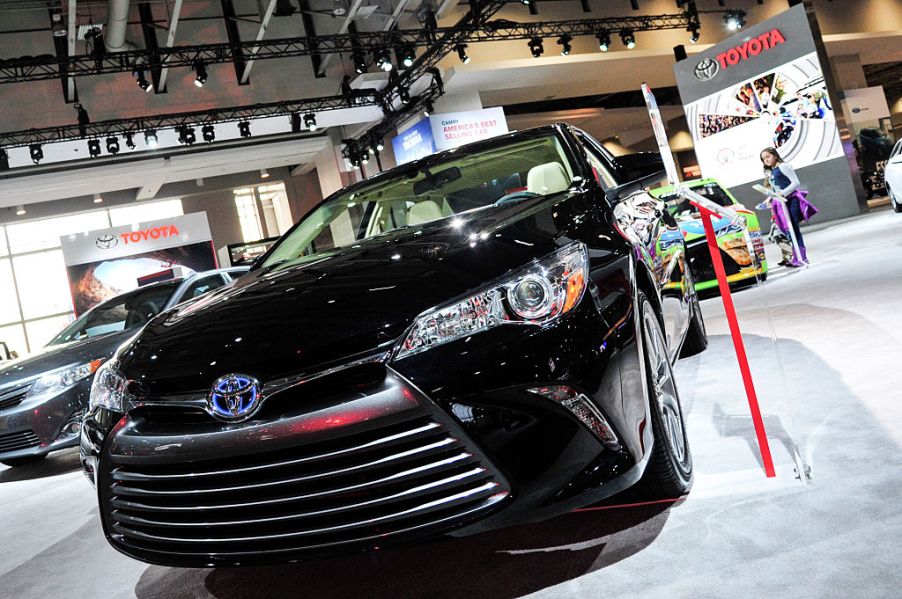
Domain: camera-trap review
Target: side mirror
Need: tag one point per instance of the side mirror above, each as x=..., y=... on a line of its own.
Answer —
x=636, y=171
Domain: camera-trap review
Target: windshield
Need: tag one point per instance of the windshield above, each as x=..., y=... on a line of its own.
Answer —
x=118, y=314
x=710, y=191
x=431, y=191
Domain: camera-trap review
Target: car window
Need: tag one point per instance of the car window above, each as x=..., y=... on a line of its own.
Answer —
x=118, y=314
x=236, y=272
x=599, y=167
x=710, y=191
x=201, y=286
x=431, y=190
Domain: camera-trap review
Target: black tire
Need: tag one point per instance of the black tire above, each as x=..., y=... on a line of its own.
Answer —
x=668, y=474
x=894, y=201
x=26, y=461
x=697, y=336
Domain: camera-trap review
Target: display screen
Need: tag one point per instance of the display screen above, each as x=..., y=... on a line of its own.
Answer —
x=787, y=108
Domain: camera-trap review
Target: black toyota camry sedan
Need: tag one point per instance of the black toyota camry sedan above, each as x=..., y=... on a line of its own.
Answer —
x=473, y=340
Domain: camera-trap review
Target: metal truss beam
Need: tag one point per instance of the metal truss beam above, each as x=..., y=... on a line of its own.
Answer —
x=48, y=67
x=201, y=117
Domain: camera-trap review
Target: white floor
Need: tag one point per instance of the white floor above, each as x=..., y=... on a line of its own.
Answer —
x=830, y=386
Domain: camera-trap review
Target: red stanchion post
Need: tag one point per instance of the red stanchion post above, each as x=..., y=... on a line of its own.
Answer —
x=724, y=286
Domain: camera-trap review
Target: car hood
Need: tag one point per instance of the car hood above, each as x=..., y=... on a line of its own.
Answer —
x=57, y=356
x=342, y=304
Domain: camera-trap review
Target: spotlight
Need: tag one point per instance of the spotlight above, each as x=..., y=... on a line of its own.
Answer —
x=380, y=145
x=359, y=62
x=209, y=133
x=98, y=199
x=536, y=47
x=406, y=56
x=428, y=108
x=20, y=210
x=130, y=140
x=310, y=121
x=201, y=69
x=404, y=95
x=37, y=154
x=244, y=128
x=94, y=147
x=83, y=120
x=734, y=19
x=264, y=174
x=383, y=61
x=112, y=145
x=462, y=53
x=604, y=40
x=693, y=30
x=526, y=2
x=186, y=135
x=564, y=43
x=143, y=83
x=628, y=38
x=150, y=138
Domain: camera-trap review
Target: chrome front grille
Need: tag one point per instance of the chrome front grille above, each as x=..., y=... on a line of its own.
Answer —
x=357, y=490
x=13, y=396
x=19, y=440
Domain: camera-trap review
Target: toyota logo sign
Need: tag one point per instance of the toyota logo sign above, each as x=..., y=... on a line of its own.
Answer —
x=706, y=69
x=106, y=241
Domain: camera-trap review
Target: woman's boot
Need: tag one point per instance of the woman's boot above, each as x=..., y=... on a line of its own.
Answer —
x=804, y=252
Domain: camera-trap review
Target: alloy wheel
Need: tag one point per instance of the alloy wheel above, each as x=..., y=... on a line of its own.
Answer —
x=666, y=398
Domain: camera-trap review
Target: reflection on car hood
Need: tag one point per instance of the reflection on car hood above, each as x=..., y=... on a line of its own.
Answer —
x=343, y=303
x=57, y=356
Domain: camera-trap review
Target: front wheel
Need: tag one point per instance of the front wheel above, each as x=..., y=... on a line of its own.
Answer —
x=669, y=470
x=697, y=336
x=897, y=207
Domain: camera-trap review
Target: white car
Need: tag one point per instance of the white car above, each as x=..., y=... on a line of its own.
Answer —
x=893, y=176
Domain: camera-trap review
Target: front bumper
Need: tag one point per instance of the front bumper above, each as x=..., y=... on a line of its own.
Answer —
x=369, y=457
x=33, y=426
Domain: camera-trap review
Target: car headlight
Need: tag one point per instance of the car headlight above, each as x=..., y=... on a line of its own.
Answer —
x=536, y=295
x=110, y=388
x=62, y=378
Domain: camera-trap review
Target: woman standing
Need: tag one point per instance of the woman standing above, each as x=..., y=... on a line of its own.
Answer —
x=782, y=178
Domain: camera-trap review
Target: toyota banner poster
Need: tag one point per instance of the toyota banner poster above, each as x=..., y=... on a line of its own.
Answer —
x=105, y=263
x=765, y=87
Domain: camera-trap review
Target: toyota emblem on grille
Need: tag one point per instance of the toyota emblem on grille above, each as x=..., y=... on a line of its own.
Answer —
x=234, y=397
x=706, y=69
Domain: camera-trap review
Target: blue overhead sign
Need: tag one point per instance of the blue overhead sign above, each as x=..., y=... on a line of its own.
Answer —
x=415, y=142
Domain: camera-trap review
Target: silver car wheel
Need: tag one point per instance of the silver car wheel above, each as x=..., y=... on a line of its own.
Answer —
x=666, y=399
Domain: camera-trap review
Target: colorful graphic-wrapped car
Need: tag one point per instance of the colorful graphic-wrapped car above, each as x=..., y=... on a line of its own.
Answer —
x=736, y=253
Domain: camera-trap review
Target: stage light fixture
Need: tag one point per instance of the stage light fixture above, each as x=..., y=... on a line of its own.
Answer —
x=359, y=62
x=604, y=40
x=186, y=135
x=310, y=121
x=244, y=128
x=407, y=55
x=383, y=61
x=150, y=138
x=380, y=145
x=734, y=19
x=536, y=47
x=693, y=30
x=201, y=74
x=94, y=147
x=564, y=43
x=130, y=140
x=428, y=108
x=112, y=145
x=628, y=38
x=98, y=199
x=83, y=120
x=404, y=95
x=264, y=174
x=462, y=53
x=143, y=83
x=20, y=210
x=37, y=153
x=209, y=133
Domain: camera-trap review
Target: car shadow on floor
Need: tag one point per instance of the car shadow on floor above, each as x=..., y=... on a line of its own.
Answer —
x=56, y=463
x=511, y=562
